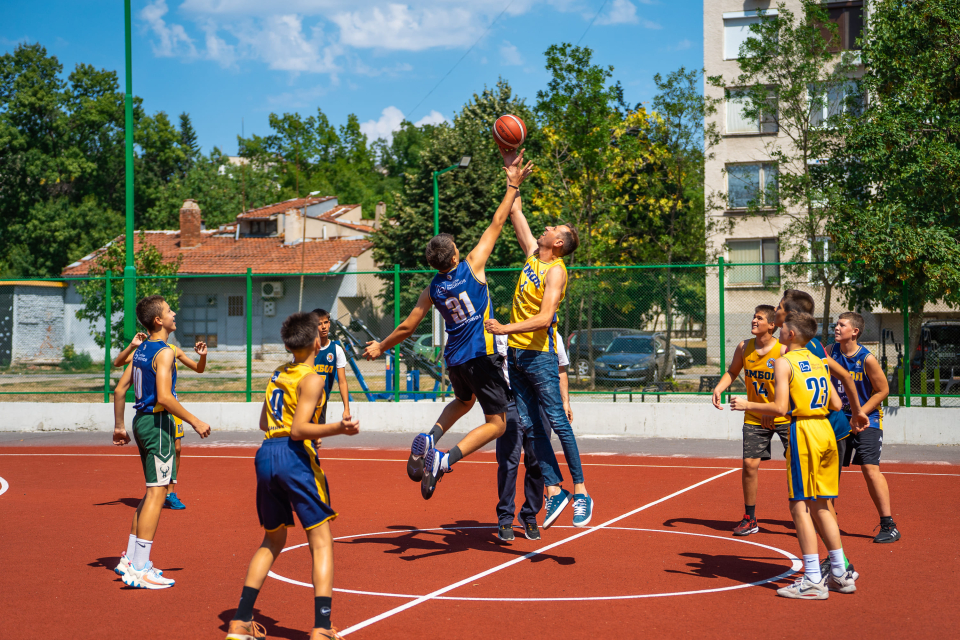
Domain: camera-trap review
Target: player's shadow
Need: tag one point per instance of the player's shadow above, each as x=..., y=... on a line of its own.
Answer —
x=127, y=502
x=274, y=630
x=726, y=526
x=463, y=535
x=741, y=569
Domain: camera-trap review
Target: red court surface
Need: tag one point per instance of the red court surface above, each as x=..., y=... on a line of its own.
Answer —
x=664, y=563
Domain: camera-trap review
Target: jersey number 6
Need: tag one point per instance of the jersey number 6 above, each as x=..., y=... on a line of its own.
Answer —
x=453, y=304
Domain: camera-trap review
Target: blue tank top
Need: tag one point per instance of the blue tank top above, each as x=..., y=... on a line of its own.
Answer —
x=816, y=348
x=145, y=376
x=325, y=364
x=855, y=364
x=464, y=304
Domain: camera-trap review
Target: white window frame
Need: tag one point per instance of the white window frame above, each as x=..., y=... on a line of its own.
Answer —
x=738, y=23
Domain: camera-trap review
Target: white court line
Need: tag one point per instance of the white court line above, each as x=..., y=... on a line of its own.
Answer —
x=440, y=592
x=4, y=485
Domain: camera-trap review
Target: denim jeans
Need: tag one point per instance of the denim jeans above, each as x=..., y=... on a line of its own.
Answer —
x=510, y=445
x=535, y=379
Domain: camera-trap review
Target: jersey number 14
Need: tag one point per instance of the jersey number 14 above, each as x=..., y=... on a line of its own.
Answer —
x=460, y=312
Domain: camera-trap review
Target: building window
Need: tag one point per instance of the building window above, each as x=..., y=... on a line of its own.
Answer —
x=844, y=98
x=235, y=306
x=749, y=253
x=752, y=185
x=738, y=122
x=848, y=16
x=736, y=30
x=197, y=320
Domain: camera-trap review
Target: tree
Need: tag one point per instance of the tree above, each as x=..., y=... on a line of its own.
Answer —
x=793, y=83
x=189, y=144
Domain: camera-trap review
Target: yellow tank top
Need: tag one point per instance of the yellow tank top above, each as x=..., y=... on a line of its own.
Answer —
x=809, y=385
x=758, y=376
x=281, y=397
x=526, y=304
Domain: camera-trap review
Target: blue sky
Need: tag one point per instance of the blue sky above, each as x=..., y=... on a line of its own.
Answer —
x=227, y=61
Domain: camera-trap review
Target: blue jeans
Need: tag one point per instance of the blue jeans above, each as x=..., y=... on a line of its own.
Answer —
x=535, y=380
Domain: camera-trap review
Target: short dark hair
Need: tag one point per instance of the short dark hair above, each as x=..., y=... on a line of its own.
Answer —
x=321, y=313
x=768, y=312
x=571, y=240
x=802, y=323
x=856, y=321
x=148, y=310
x=299, y=330
x=440, y=252
x=796, y=300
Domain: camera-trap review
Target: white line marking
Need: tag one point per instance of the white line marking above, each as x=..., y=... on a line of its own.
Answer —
x=4, y=485
x=455, y=585
x=795, y=563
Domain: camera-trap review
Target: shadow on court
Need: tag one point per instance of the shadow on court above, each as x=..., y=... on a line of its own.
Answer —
x=726, y=526
x=732, y=567
x=464, y=535
x=274, y=630
x=127, y=502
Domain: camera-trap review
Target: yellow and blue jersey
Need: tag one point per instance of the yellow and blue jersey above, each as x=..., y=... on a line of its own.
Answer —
x=809, y=385
x=145, y=376
x=281, y=398
x=325, y=365
x=758, y=375
x=855, y=365
x=527, y=300
x=464, y=304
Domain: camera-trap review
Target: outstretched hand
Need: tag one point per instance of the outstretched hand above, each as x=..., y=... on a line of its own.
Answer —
x=517, y=172
x=373, y=351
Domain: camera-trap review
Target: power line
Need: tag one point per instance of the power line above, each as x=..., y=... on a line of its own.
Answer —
x=596, y=15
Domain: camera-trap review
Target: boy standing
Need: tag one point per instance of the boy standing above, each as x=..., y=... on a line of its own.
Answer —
x=289, y=478
x=154, y=378
x=329, y=363
x=803, y=392
x=756, y=357
x=871, y=388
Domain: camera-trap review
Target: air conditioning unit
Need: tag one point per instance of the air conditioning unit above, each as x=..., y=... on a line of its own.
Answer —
x=271, y=289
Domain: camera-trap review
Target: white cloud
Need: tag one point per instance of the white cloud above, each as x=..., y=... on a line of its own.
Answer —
x=389, y=122
x=434, y=117
x=624, y=12
x=172, y=40
x=400, y=28
x=510, y=55
x=283, y=45
x=683, y=45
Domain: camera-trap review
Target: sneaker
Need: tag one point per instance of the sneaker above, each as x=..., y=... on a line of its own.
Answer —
x=506, y=532
x=325, y=634
x=173, y=502
x=432, y=472
x=421, y=444
x=125, y=564
x=531, y=531
x=240, y=630
x=553, y=505
x=582, y=509
x=888, y=533
x=804, y=589
x=148, y=578
x=844, y=583
x=825, y=568
x=746, y=526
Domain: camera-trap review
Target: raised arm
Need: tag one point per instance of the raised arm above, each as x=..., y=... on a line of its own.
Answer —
x=165, y=395
x=528, y=244
x=187, y=361
x=730, y=375
x=404, y=330
x=126, y=356
x=556, y=278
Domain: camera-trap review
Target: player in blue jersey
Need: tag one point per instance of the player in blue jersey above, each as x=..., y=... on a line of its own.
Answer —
x=329, y=363
x=459, y=291
x=871, y=388
x=154, y=379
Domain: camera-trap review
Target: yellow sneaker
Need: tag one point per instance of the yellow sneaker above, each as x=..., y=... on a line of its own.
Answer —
x=240, y=630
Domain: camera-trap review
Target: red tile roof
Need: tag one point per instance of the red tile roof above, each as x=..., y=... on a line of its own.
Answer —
x=223, y=254
x=334, y=214
x=280, y=207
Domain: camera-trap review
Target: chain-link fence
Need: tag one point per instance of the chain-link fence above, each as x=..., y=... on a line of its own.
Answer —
x=643, y=333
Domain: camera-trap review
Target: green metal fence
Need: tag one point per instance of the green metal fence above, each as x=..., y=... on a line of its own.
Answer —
x=685, y=322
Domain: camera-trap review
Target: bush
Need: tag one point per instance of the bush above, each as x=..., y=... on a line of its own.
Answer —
x=73, y=361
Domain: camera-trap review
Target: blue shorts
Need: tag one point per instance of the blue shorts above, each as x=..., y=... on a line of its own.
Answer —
x=289, y=478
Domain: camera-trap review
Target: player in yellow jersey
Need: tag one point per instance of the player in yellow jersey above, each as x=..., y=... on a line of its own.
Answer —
x=755, y=357
x=803, y=392
x=289, y=477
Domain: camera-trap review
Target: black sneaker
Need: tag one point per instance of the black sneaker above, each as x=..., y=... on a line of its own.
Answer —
x=506, y=532
x=421, y=444
x=531, y=531
x=746, y=526
x=432, y=472
x=888, y=533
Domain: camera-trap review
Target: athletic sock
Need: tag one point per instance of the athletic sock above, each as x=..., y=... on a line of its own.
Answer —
x=750, y=510
x=321, y=612
x=811, y=567
x=886, y=519
x=131, y=546
x=838, y=564
x=247, y=599
x=436, y=433
x=450, y=458
x=141, y=554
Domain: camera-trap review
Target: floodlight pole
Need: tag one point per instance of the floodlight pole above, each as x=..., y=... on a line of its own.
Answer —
x=130, y=270
x=463, y=164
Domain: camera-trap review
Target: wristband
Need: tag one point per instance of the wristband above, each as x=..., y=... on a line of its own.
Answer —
x=517, y=187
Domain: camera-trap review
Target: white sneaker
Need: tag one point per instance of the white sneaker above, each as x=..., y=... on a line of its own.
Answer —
x=844, y=583
x=125, y=564
x=805, y=589
x=148, y=578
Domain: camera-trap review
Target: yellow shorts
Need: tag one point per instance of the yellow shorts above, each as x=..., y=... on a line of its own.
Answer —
x=179, y=423
x=812, y=462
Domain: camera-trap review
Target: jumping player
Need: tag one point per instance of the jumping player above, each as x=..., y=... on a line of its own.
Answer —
x=871, y=387
x=330, y=363
x=154, y=378
x=459, y=291
x=803, y=392
x=289, y=478
x=756, y=357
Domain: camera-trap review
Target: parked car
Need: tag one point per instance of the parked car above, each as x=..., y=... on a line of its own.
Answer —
x=424, y=345
x=634, y=359
x=580, y=356
x=684, y=359
x=939, y=346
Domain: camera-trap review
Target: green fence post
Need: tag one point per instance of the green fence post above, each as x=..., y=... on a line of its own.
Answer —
x=723, y=331
x=396, y=322
x=936, y=380
x=108, y=293
x=906, y=343
x=249, y=333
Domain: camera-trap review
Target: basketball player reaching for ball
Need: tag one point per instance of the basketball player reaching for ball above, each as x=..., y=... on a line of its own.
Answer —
x=459, y=291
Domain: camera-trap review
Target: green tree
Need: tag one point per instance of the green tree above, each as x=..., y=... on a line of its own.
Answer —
x=189, y=144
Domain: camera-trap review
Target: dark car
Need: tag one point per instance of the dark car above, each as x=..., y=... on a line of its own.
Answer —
x=580, y=356
x=634, y=359
x=939, y=347
x=683, y=359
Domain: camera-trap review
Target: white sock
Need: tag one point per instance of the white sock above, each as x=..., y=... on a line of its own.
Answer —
x=811, y=567
x=141, y=554
x=131, y=546
x=837, y=566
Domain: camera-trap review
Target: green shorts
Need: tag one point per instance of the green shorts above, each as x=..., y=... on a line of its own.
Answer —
x=155, y=434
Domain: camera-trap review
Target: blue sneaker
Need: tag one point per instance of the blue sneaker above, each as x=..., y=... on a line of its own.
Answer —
x=421, y=444
x=173, y=502
x=432, y=473
x=553, y=506
x=582, y=509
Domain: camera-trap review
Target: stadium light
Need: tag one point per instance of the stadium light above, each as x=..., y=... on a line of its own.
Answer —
x=463, y=164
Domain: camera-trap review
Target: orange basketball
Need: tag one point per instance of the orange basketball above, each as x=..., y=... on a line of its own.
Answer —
x=509, y=131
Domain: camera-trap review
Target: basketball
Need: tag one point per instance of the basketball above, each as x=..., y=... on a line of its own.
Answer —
x=509, y=131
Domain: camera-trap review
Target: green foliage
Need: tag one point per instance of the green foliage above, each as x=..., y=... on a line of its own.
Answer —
x=73, y=361
x=188, y=140
x=149, y=262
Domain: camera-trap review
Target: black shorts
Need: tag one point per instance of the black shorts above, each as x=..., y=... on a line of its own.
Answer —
x=863, y=448
x=482, y=377
x=757, y=439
